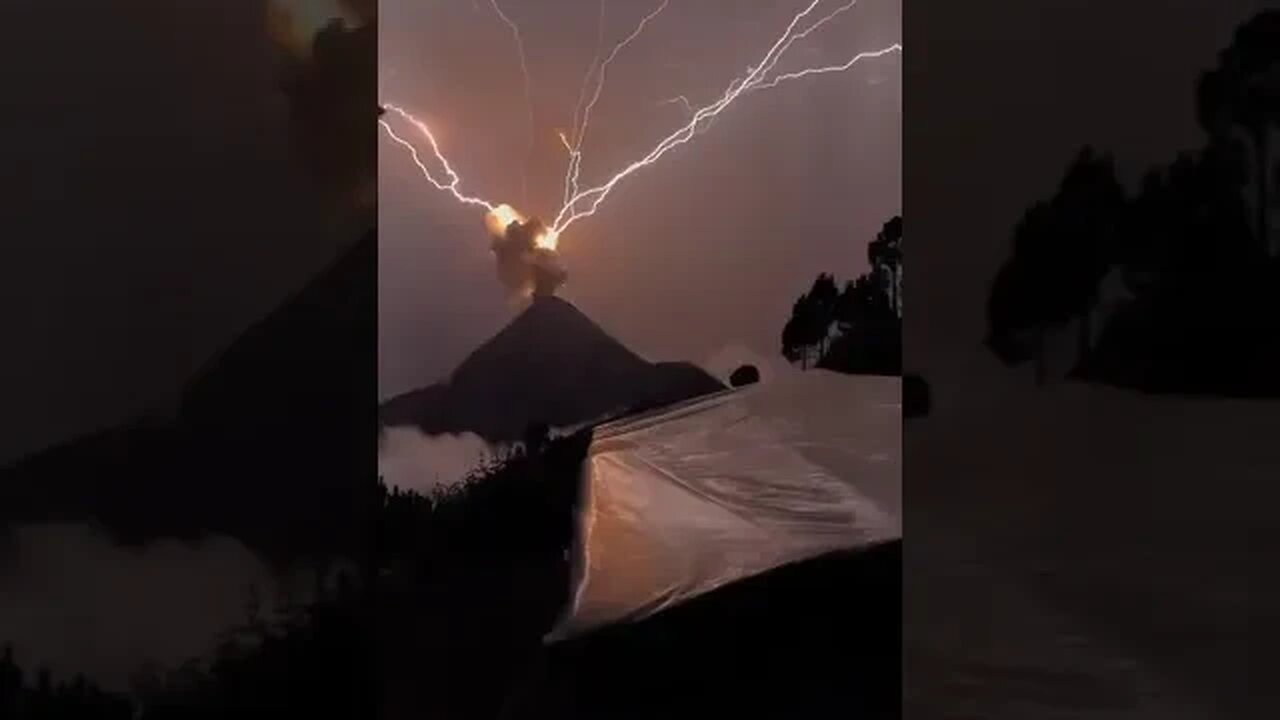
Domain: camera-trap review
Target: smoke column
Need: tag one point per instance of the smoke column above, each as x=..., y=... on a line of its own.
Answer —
x=524, y=267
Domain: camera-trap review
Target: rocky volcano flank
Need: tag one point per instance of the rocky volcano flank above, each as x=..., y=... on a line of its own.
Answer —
x=551, y=365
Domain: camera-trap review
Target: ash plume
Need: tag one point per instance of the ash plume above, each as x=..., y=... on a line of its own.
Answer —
x=328, y=75
x=525, y=268
x=364, y=11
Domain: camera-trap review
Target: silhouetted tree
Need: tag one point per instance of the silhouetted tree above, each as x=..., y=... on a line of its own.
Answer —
x=885, y=256
x=804, y=330
x=744, y=375
x=536, y=436
x=856, y=328
x=1241, y=92
x=1197, y=286
x=1021, y=306
x=10, y=684
x=917, y=397
x=77, y=699
x=1089, y=207
x=1062, y=249
x=821, y=315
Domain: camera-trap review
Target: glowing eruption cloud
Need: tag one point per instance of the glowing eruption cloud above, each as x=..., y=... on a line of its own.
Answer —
x=548, y=240
x=526, y=247
x=500, y=218
x=526, y=266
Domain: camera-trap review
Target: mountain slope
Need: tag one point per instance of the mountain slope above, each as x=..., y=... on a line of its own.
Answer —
x=551, y=365
x=262, y=446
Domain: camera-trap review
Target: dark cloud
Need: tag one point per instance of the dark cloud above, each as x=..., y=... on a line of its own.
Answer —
x=523, y=267
x=365, y=11
x=332, y=93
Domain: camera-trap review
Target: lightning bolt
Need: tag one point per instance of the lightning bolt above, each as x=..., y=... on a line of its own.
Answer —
x=896, y=47
x=688, y=107
x=578, y=203
x=451, y=185
x=689, y=111
x=754, y=79
x=591, y=68
x=569, y=185
x=679, y=100
x=528, y=92
x=770, y=64
x=575, y=154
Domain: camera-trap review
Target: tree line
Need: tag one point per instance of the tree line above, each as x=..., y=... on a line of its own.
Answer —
x=1172, y=287
x=856, y=328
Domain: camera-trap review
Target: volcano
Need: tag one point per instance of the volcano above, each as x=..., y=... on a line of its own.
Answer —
x=550, y=366
x=269, y=420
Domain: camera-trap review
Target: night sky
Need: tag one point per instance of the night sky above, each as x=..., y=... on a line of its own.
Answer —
x=152, y=211
x=1000, y=96
x=708, y=248
x=152, y=207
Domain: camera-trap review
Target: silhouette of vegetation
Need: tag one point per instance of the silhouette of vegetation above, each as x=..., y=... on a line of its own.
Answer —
x=744, y=375
x=857, y=328
x=475, y=574
x=1060, y=250
x=917, y=398
x=1172, y=287
x=466, y=581
x=472, y=576
x=1241, y=93
x=448, y=622
x=314, y=659
x=38, y=697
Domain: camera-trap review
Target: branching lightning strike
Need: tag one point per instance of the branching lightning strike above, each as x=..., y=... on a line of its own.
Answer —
x=569, y=145
x=689, y=111
x=453, y=180
x=578, y=203
x=680, y=100
x=896, y=47
x=575, y=154
x=528, y=93
x=755, y=78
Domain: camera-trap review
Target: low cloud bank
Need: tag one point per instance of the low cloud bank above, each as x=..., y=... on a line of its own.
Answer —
x=412, y=460
x=73, y=600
